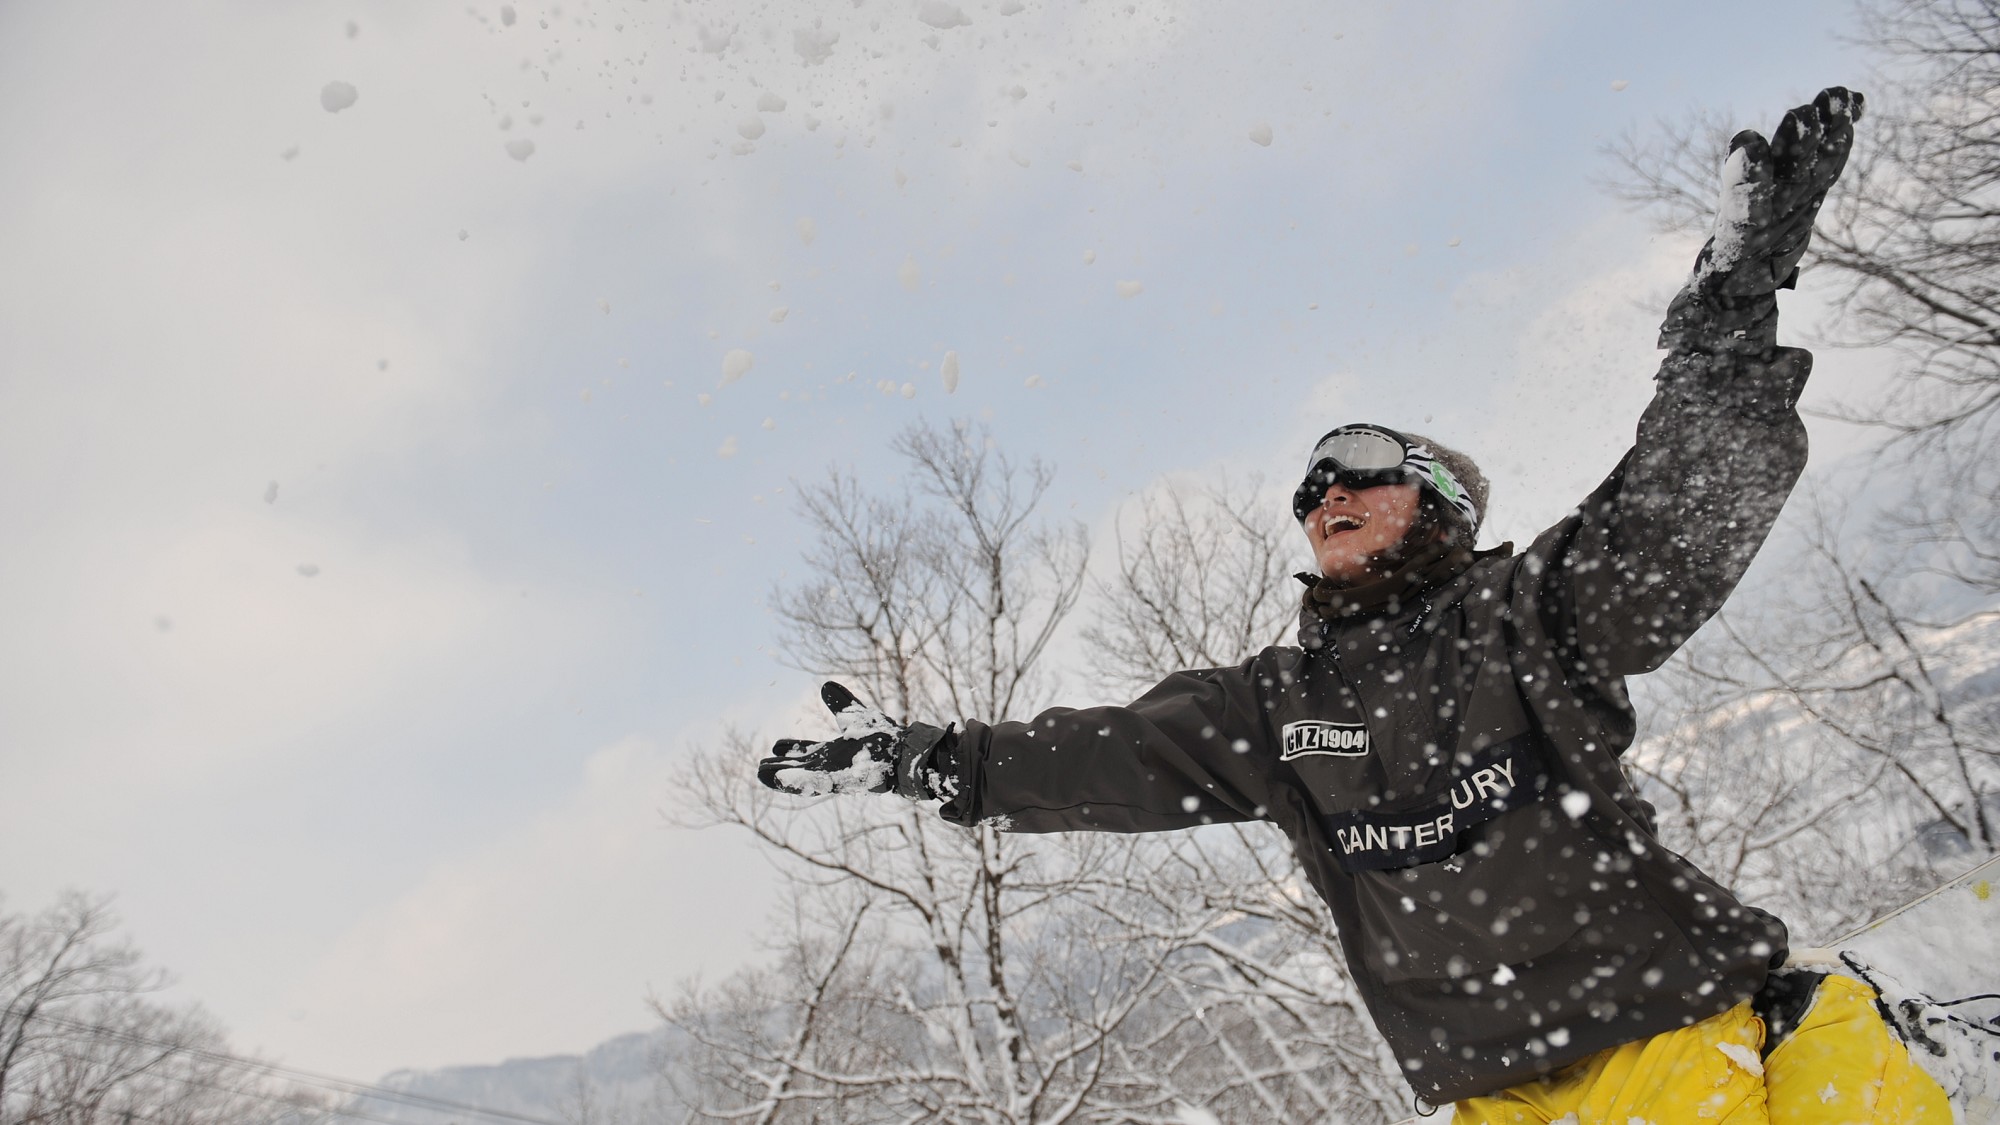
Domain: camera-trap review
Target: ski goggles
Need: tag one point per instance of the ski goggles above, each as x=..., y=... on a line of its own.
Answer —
x=1368, y=456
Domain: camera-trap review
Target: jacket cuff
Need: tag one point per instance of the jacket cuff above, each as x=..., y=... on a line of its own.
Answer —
x=926, y=763
x=1763, y=389
x=1703, y=322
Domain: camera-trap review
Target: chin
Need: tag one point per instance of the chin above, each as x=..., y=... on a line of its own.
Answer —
x=1344, y=570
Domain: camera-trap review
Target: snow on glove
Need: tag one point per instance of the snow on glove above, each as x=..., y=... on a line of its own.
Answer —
x=868, y=753
x=1771, y=193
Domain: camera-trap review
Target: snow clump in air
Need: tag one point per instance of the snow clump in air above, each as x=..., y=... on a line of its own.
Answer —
x=520, y=148
x=1576, y=803
x=728, y=447
x=808, y=230
x=768, y=102
x=1089, y=257
x=1130, y=289
x=1260, y=133
x=736, y=363
x=1619, y=85
x=909, y=273
x=336, y=96
x=779, y=314
x=948, y=371
x=813, y=44
x=308, y=570
x=750, y=128
x=942, y=16
x=271, y=493
x=1012, y=8
x=507, y=15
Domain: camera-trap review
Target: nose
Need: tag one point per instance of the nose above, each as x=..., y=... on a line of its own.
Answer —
x=1338, y=491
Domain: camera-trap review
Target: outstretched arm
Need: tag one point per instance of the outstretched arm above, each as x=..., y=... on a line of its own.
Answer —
x=1179, y=756
x=1192, y=751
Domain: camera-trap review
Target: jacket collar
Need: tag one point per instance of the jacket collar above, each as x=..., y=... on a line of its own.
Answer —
x=1328, y=604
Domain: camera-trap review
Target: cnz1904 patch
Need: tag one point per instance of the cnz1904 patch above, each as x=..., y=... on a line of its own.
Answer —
x=1316, y=736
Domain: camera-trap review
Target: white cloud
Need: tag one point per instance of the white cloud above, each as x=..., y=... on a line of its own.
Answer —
x=542, y=940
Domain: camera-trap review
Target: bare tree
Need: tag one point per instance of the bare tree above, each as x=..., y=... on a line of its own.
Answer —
x=83, y=1042
x=1833, y=744
x=927, y=972
x=1202, y=581
x=1912, y=234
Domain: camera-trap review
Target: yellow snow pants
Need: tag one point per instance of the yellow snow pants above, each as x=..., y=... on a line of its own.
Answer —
x=1840, y=1066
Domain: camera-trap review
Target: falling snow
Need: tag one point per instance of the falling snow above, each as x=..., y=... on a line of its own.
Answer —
x=941, y=15
x=336, y=96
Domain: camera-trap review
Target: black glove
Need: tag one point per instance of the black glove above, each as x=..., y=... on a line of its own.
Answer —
x=869, y=753
x=1771, y=193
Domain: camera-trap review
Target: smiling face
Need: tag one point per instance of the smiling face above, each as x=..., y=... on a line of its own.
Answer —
x=1353, y=527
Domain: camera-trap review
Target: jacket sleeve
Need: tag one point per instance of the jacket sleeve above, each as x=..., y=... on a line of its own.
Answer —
x=1194, y=750
x=1657, y=548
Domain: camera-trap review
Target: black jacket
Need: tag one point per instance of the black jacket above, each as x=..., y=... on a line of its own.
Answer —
x=1448, y=770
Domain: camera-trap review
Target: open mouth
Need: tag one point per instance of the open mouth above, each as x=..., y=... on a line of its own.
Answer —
x=1334, y=524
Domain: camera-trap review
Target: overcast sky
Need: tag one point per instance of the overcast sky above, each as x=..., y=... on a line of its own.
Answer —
x=382, y=525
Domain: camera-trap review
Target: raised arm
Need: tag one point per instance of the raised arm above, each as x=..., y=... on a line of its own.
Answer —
x=1657, y=548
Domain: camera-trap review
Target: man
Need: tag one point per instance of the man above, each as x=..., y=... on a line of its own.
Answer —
x=1442, y=747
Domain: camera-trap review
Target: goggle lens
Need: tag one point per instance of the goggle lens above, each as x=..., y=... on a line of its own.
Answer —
x=1361, y=449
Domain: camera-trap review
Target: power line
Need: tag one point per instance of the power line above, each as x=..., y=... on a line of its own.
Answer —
x=267, y=1096
x=330, y=1082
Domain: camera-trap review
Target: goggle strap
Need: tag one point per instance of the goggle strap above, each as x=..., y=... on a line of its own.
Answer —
x=1441, y=480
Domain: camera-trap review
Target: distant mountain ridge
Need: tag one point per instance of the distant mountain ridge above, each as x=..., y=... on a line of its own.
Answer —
x=622, y=1079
